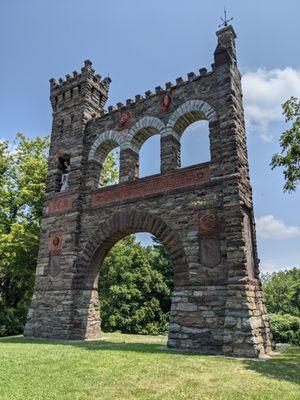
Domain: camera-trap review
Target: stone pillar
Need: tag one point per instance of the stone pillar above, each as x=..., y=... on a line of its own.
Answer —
x=129, y=165
x=170, y=153
x=93, y=174
x=74, y=101
x=85, y=319
x=246, y=328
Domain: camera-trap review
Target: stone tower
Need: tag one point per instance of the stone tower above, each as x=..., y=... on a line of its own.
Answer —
x=202, y=214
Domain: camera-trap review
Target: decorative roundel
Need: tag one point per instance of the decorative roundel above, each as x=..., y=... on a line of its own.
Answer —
x=55, y=244
x=208, y=222
x=56, y=241
x=165, y=103
x=125, y=118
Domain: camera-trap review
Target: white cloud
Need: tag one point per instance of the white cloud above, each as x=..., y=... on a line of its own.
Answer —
x=273, y=266
x=269, y=266
x=264, y=92
x=268, y=227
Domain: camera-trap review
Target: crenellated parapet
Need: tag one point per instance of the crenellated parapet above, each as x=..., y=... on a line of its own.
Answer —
x=84, y=85
x=159, y=91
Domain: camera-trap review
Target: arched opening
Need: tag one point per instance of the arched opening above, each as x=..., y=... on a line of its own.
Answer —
x=109, y=171
x=144, y=139
x=109, y=232
x=149, y=160
x=104, y=159
x=135, y=287
x=195, y=145
x=192, y=119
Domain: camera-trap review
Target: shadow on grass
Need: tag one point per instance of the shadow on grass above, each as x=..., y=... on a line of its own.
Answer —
x=93, y=345
x=283, y=367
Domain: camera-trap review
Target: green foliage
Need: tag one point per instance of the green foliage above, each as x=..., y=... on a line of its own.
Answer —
x=282, y=296
x=289, y=158
x=135, y=286
x=22, y=185
x=285, y=328
x=110, y=174
x=282, y=291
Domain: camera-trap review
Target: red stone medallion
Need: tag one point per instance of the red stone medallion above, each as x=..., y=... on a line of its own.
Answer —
x=208, y=225
x=125, y=119
x=55, y=244
x=165, y=103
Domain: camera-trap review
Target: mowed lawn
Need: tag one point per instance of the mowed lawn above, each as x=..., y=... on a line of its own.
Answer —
x=137, y=367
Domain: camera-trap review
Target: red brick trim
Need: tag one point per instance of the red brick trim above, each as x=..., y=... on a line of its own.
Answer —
x=59, y=205
x=158, y=184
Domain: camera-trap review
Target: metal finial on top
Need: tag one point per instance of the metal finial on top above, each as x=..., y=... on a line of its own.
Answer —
x=225, y=20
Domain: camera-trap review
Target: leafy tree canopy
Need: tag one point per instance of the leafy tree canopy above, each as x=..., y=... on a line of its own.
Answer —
x=289, y=158
x=135, y=286
x=110, y=175
x=22, y=184
x=282, y=291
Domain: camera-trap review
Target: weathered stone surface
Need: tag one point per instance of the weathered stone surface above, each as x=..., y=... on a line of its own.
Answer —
x=203, y=214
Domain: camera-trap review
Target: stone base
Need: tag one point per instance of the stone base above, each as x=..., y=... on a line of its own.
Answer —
x=227, y=320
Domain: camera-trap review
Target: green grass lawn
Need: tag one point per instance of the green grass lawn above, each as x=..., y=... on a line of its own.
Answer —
x=136, y=367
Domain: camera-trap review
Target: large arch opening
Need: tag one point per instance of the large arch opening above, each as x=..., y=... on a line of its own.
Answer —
x=135, y=287
x=110, y=232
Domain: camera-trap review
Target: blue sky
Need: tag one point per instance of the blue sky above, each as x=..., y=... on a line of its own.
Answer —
x=143, y=44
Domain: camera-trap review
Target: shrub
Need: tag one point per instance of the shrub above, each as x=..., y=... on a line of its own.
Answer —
x=281, y=291
x=285, y=328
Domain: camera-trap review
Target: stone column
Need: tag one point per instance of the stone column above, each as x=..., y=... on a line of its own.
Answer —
x=129, y=165
x=170, y=153
x=93, y=172
x=246, y=328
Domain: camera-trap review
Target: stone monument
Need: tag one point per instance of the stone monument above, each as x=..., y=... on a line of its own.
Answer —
x=203, y=214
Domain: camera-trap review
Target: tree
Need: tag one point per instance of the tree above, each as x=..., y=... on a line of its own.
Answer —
x=22, y=185
x=282, y=291
x=110, y=172
x=289, y=158
x=135, y=286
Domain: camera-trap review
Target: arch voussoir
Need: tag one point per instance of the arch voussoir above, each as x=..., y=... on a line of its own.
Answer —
x=124, y=223
x=105, y=142
x=142, y=130
x=189, y=112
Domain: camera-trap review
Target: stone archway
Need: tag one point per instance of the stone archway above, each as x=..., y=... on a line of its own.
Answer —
x=104, y=144
x=109, y=233
x=189, y=112
x=203, y=214
x=142, y=130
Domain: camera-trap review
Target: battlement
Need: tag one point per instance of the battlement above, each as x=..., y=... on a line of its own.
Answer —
x=85, y=84
x=224, y=51
x=158, y=90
